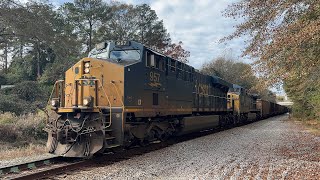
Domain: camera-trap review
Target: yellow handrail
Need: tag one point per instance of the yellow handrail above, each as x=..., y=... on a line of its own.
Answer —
x=117, y=90
x=53, y=90
x=110, y=121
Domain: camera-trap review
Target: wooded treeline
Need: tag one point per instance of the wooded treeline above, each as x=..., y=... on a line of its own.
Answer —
x=39, y=42
x=285, y=40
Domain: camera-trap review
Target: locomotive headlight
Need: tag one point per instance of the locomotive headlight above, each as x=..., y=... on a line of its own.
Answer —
x=87, y=65
x=86, y=70
x=86, y=101
x=54, y=102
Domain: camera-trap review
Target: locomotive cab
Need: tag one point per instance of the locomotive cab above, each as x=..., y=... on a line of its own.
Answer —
x=90, y=101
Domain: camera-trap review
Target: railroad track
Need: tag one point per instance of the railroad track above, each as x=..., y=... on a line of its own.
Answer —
x=60, y=166
x=34, y=167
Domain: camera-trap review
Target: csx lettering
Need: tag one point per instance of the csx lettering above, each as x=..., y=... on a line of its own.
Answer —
x=154, y=77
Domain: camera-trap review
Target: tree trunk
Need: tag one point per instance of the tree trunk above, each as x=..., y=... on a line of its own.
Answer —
x=21, y=49
x=6, y=58
x=38, y=62
x=90, y=37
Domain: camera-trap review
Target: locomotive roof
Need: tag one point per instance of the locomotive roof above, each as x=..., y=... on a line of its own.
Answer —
x=237, y=86
x=218, y=80
x=243, y=89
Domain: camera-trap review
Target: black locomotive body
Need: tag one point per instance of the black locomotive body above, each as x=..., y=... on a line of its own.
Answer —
x=125, y=94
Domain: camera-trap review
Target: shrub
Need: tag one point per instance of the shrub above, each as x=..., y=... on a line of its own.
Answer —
x=28, y=91
x=8, y=118
x=25, y=97
x=23, y=129
x=11, y=103
x=3, y=79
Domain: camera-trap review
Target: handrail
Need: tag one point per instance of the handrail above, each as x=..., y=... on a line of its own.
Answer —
x=110, y=121
x=117, y=90
x=54, y=89
x=120, y=100
x=110, y=105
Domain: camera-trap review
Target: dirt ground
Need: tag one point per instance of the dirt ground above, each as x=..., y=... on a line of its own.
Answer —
x=270, y=149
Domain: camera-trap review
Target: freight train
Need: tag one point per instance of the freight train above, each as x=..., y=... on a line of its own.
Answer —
x=126, y=94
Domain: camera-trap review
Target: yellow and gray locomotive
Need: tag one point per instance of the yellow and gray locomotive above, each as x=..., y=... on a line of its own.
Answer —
x=125, y=94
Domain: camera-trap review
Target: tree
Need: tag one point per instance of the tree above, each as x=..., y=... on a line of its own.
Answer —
x=285, y=38
x=122, y=24
x=232, y=71
x=35, y=31
x=284, y=35
x=177, y=52
x=151, y=30
x=85, y=16
x=139, y=23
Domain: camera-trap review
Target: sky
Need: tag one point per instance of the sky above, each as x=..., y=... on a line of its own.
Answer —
x=199, y=24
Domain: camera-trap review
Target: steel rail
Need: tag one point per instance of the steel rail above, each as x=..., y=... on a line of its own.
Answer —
x=28, y=166
x=54, y=171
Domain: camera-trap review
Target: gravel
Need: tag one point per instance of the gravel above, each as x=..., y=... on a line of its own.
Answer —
x=21, y=160
x=270, y=149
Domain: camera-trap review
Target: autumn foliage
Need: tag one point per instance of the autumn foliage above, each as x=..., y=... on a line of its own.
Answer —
x=176, y=51
x=285, y=40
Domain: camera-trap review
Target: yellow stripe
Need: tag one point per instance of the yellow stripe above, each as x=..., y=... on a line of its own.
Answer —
x=151, y=110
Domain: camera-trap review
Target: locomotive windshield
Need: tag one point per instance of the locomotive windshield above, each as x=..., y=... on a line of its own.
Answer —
x=118, y=55
x=128, y=55
x=122, y=52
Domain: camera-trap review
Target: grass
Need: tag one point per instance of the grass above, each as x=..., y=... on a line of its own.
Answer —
x=7, y=152
x=22, y=135
x=311, y=125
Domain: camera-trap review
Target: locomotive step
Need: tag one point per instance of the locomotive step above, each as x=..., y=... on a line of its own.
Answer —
x=110, y=138
x=113, y=146
x=108, y=130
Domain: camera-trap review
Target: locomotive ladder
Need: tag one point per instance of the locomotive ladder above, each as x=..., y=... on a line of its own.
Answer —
x=110, y=140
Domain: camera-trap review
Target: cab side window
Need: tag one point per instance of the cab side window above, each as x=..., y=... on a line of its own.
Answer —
x=157, y=61
x=172, y=65
x=179, y=70
x=149, y=59
x=154, y=61
x=162, y=63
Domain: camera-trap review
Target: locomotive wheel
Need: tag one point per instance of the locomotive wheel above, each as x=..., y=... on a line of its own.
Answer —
x=144, y=143
x=163, y=137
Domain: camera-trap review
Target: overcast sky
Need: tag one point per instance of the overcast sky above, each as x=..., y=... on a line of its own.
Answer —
x=199, y=24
